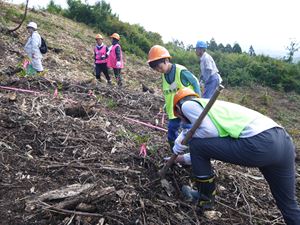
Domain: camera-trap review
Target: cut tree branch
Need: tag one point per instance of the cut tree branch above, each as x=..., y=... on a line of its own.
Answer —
x=24, y=17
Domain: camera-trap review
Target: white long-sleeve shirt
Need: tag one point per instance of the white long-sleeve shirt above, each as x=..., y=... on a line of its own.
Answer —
x=208, y=67
x=207, y=129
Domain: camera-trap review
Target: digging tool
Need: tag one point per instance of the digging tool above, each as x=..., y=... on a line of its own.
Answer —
x=190, y=133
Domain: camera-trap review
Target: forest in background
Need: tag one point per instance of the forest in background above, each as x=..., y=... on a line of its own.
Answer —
x=236, y=67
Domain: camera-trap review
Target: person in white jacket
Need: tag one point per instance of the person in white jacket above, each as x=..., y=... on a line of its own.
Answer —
x=32, y=47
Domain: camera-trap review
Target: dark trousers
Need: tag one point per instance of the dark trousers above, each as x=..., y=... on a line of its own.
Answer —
x=117, y=73
x=102, y=67
x=272, y=151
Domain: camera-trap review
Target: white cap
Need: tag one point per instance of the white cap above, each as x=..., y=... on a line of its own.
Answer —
x=33, y=25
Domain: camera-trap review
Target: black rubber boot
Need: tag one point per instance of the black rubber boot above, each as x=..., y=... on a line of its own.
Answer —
x=207, y=190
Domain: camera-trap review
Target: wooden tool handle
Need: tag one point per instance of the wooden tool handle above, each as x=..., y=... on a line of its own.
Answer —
x=191, y=132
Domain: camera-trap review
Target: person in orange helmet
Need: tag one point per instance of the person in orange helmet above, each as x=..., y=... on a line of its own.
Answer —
x=115, y=58
x=100, y=55
x=238, y=135
x=174, y=77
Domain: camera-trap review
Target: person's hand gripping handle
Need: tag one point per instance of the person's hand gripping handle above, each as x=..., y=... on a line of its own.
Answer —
x=190, y=133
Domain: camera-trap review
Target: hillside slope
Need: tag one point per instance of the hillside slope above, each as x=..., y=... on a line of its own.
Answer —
x=82, y=137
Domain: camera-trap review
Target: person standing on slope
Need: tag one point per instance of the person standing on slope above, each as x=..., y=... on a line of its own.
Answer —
x=32, y=47
x=100, y=55
x=210, y=77
x=238, y=135
x=174, y=77
x=115, y=58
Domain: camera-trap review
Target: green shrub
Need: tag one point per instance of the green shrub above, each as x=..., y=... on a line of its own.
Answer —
x=236, y=69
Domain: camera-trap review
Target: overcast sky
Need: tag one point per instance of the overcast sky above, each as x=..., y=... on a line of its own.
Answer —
x=268, y=25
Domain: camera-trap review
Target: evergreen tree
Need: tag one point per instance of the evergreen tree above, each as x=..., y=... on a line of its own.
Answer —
x=236, y=48
x=212, y=45
x=221, y=47
x=292, y=49
x=228, y=48
x=251, y=51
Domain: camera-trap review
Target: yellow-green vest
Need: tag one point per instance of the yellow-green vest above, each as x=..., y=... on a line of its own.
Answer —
x=169, y=90
x=230, y=119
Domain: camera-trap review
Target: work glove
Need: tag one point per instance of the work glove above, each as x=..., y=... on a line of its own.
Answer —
x=118, y=64
x=184, y=159
x=178, y=147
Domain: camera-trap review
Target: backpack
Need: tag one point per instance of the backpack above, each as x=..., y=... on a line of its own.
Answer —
x=44, y=47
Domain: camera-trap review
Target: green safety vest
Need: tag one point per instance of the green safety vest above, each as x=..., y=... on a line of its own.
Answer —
x=169, y=90
x=230, y=119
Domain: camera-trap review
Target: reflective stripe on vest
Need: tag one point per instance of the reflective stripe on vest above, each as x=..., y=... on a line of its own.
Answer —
x=169, y=90
x=112, y=58
x=99, y=53
x=230, y=119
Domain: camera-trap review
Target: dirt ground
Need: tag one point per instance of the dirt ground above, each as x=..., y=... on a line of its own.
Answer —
x=70, y=153
x=82, y=138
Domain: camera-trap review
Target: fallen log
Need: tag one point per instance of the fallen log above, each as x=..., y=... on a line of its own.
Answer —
x=70, y=197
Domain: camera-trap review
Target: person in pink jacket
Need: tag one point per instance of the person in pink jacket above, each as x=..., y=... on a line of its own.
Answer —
x=115, y=58
x=100, y=56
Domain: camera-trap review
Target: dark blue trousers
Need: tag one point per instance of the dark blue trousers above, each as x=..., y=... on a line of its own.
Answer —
x=102, y=67
x=272, y=151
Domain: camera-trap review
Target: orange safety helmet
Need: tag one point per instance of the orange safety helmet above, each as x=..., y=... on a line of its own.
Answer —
x=115, y=35
x=99, y=36
x=158, y=52
x=180, y=94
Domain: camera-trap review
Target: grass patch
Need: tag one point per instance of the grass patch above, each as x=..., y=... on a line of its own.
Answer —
x=12, y=14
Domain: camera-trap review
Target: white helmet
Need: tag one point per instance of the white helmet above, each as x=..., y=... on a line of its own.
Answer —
x=32, y=24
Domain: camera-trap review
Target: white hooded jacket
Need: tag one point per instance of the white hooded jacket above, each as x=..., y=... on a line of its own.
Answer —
x=32, y=49
x=33, y=45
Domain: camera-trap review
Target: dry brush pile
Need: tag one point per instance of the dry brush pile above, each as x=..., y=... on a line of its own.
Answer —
x=74, y=159
x=68, y=155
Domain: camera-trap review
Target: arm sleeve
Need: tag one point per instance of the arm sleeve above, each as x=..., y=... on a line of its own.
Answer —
x=192, y=110
x=107, y=52
x=118, y=53
x=188, y=78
